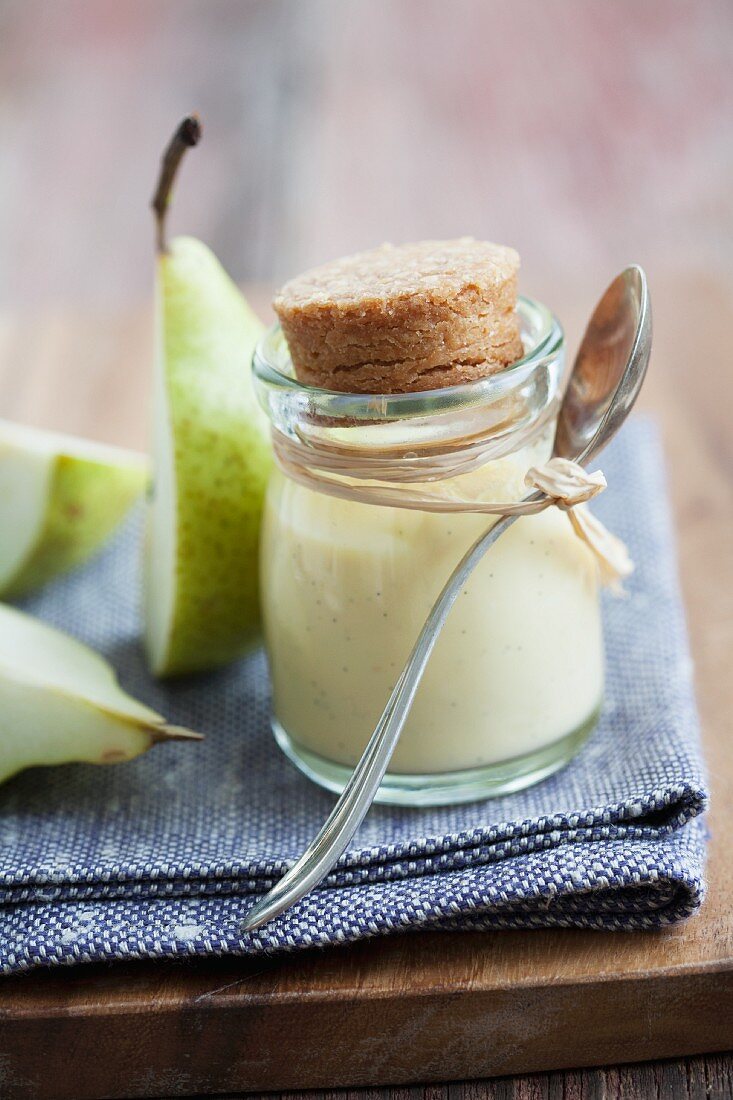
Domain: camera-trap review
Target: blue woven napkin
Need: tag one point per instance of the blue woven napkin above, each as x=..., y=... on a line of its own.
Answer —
x=161, y=857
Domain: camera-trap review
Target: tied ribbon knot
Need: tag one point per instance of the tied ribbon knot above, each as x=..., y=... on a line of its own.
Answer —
x=568, y=486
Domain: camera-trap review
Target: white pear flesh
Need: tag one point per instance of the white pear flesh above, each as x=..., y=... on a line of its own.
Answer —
x=211, y=463
x=60, y=702
x=60, y=499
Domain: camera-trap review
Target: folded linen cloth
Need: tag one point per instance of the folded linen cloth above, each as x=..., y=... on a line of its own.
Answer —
x=162, y=856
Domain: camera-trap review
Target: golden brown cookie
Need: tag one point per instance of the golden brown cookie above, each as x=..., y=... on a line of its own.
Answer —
x=414, y=317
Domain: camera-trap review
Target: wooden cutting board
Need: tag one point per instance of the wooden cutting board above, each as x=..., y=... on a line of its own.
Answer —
x=417, y=1007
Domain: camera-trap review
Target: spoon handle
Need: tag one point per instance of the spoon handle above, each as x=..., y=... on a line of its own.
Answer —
x=358, y=794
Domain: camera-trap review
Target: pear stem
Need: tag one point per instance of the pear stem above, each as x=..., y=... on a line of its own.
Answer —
x=187, y=134
x=164, y=732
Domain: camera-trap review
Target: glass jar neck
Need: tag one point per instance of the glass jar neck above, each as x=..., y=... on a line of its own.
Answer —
x=410, y=438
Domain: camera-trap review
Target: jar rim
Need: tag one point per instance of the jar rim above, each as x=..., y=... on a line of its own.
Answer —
x=542, y=333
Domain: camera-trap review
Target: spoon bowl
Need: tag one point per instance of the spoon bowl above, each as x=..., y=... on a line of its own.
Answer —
x=604, y=383
x=609, y=369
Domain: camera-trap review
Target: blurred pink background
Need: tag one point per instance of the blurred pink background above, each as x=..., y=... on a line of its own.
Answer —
x=587, y=134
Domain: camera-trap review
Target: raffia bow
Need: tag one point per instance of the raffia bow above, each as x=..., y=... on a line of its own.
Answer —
x=568, y=486
x=564, y=484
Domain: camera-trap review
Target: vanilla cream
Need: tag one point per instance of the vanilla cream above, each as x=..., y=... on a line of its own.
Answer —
x=346, y=587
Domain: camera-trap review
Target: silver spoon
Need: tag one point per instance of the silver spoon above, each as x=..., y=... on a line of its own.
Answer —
x=605, y=381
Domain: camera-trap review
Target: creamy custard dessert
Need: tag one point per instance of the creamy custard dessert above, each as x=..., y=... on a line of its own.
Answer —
x=516, y=678
x=348, y=586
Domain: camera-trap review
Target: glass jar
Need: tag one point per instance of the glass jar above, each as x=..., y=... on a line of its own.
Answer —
x=366, y=516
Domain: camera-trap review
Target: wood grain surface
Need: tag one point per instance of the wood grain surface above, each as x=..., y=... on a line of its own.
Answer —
x=586, y=134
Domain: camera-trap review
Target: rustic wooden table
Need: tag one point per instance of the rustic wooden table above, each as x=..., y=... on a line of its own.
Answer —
x=587, y=135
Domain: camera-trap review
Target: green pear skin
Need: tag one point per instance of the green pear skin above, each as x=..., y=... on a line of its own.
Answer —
x=87, y=501
x=60, y=500
x=212, y=458
x=60, y=702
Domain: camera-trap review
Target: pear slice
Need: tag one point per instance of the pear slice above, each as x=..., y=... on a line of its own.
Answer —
x=60, y=498
x=61, y=702
x=211, y=457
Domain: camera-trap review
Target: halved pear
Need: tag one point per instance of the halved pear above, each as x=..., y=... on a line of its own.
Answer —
x=61, y=702
x=60, y=499
x=211, y=459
